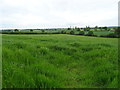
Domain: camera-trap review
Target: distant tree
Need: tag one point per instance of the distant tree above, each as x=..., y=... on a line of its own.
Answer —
x=117, y=30
x=100, y=28
x=43, y=31
x=90, y=33
x=108, y=29
x=105, y=28
x=63, y=32
x=81, y=33
x=72, y=32
x=81, y=29
x=84, y=29
x=96, y=27
x=87, y=28
x=16, y=30
x=8, y=30
x=78, y=29
x=75, y=27
x=110, y=35
x=69, y=28
x=31, y=30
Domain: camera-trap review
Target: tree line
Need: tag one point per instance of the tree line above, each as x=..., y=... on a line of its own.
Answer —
x=71, y=31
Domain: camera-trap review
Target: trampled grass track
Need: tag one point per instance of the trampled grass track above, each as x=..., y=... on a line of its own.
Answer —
x=59, y=61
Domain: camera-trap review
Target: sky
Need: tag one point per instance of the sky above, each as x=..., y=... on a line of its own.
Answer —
x=58, y=13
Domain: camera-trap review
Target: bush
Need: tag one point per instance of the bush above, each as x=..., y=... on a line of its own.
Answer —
x=31, y=30
x=63, y=32
x=95, y=35
x=16, y=30
x=81, y=33
x=90, y=33
x=69, y=28
x=87, y=28
x=77, y=29
x=72, y=32
x=43, y=31
x=111, y=35
x=117, y=30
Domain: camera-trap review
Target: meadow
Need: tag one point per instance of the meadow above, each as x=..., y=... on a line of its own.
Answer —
x=59, y=61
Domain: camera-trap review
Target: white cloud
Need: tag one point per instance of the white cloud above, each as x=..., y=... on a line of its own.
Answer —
x=57, y=13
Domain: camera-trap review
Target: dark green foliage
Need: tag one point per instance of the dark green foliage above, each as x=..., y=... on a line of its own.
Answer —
x=96, y=27
x=69, y=28
x=87, y=28
x=43, y=31
x=31, y=30
x=81, y=33
x=99, y=27
x=117, y=30
x=63, y=32
x=72, y=32
x=108, y=29
x=105, y=28
x=90, y=33
x=76, y=31
x=16, y=30
x=111, y=35
x=77, y=28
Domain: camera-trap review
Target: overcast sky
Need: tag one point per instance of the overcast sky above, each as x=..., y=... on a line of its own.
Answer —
x=57, y=13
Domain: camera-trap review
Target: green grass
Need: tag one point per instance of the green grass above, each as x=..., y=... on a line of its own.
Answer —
x=59, y=61
x=102, y=32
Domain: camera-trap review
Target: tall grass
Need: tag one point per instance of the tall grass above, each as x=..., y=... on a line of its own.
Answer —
x=59, y=61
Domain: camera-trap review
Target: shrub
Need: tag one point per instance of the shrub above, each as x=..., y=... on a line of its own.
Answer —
x=96, y=27
x=16, y=30
x=87, y=28
x=95, y=35
x=105, y=28
x=81, y=33
x=90, y=33
x=69, y=28
x=31, y=30
x=63, y=32
x=43, y=31
x=72, y=32
x=77, y=29
x=117, y=30
x=111, y=35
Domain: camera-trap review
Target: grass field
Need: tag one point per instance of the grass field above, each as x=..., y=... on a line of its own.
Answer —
x=59, y=61
x=102, y=32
